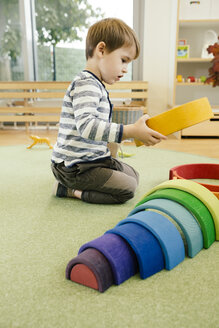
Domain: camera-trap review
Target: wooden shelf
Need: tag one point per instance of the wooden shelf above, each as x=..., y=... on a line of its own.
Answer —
x=194, y=60
x=198, y=22
x=191, y=84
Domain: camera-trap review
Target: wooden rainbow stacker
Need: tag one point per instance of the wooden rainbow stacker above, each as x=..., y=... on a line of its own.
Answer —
x=146, y=242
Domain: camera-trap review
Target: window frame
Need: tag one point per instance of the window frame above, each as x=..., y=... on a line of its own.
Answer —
x=27, y=14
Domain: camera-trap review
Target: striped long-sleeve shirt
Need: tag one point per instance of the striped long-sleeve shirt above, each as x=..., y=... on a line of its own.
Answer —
x=85, y=124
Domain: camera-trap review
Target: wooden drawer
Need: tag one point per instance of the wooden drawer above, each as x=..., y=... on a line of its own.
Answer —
x=208, y=128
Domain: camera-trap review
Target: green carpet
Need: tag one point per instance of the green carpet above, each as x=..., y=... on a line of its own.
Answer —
x=41, y=233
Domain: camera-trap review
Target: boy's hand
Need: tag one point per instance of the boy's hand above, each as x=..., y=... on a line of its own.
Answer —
x=140, y=131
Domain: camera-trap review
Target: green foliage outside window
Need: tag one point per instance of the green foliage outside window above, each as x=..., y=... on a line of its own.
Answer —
x=56, y=20
x=68, y=63
x=62, y=21
x=10, y=43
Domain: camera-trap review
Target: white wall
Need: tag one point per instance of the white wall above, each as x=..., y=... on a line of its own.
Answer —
x=159, y=51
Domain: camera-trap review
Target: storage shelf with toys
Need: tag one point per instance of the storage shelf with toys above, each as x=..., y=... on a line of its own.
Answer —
x=193, y=61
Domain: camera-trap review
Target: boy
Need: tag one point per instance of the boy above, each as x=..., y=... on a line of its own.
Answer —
x=81, y=159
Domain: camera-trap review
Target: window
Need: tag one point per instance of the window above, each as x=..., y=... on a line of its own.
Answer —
x=31, y=34
x=11, y=63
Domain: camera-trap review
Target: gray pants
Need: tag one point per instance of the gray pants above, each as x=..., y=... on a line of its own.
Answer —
x=109, y=181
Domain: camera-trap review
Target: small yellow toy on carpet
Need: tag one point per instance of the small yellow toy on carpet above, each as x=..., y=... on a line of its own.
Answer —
x=39, y=140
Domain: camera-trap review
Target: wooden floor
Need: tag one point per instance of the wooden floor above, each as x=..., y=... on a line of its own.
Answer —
x=206, y=147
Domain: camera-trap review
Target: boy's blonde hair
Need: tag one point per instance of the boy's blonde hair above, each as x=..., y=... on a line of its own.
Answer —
x=114, y=33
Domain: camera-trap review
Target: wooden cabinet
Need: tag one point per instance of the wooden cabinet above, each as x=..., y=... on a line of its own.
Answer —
x=192, y=63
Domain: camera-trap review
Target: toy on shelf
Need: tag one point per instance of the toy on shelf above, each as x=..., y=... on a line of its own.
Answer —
x=180, y=78
x=176, y=218
x=191, y=79
x=183, y=51
x=39, y=140
x=203, y=79
x=182, y=42
x=210, y=37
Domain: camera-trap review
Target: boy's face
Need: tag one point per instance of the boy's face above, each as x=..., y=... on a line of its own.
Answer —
x=114, y=65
